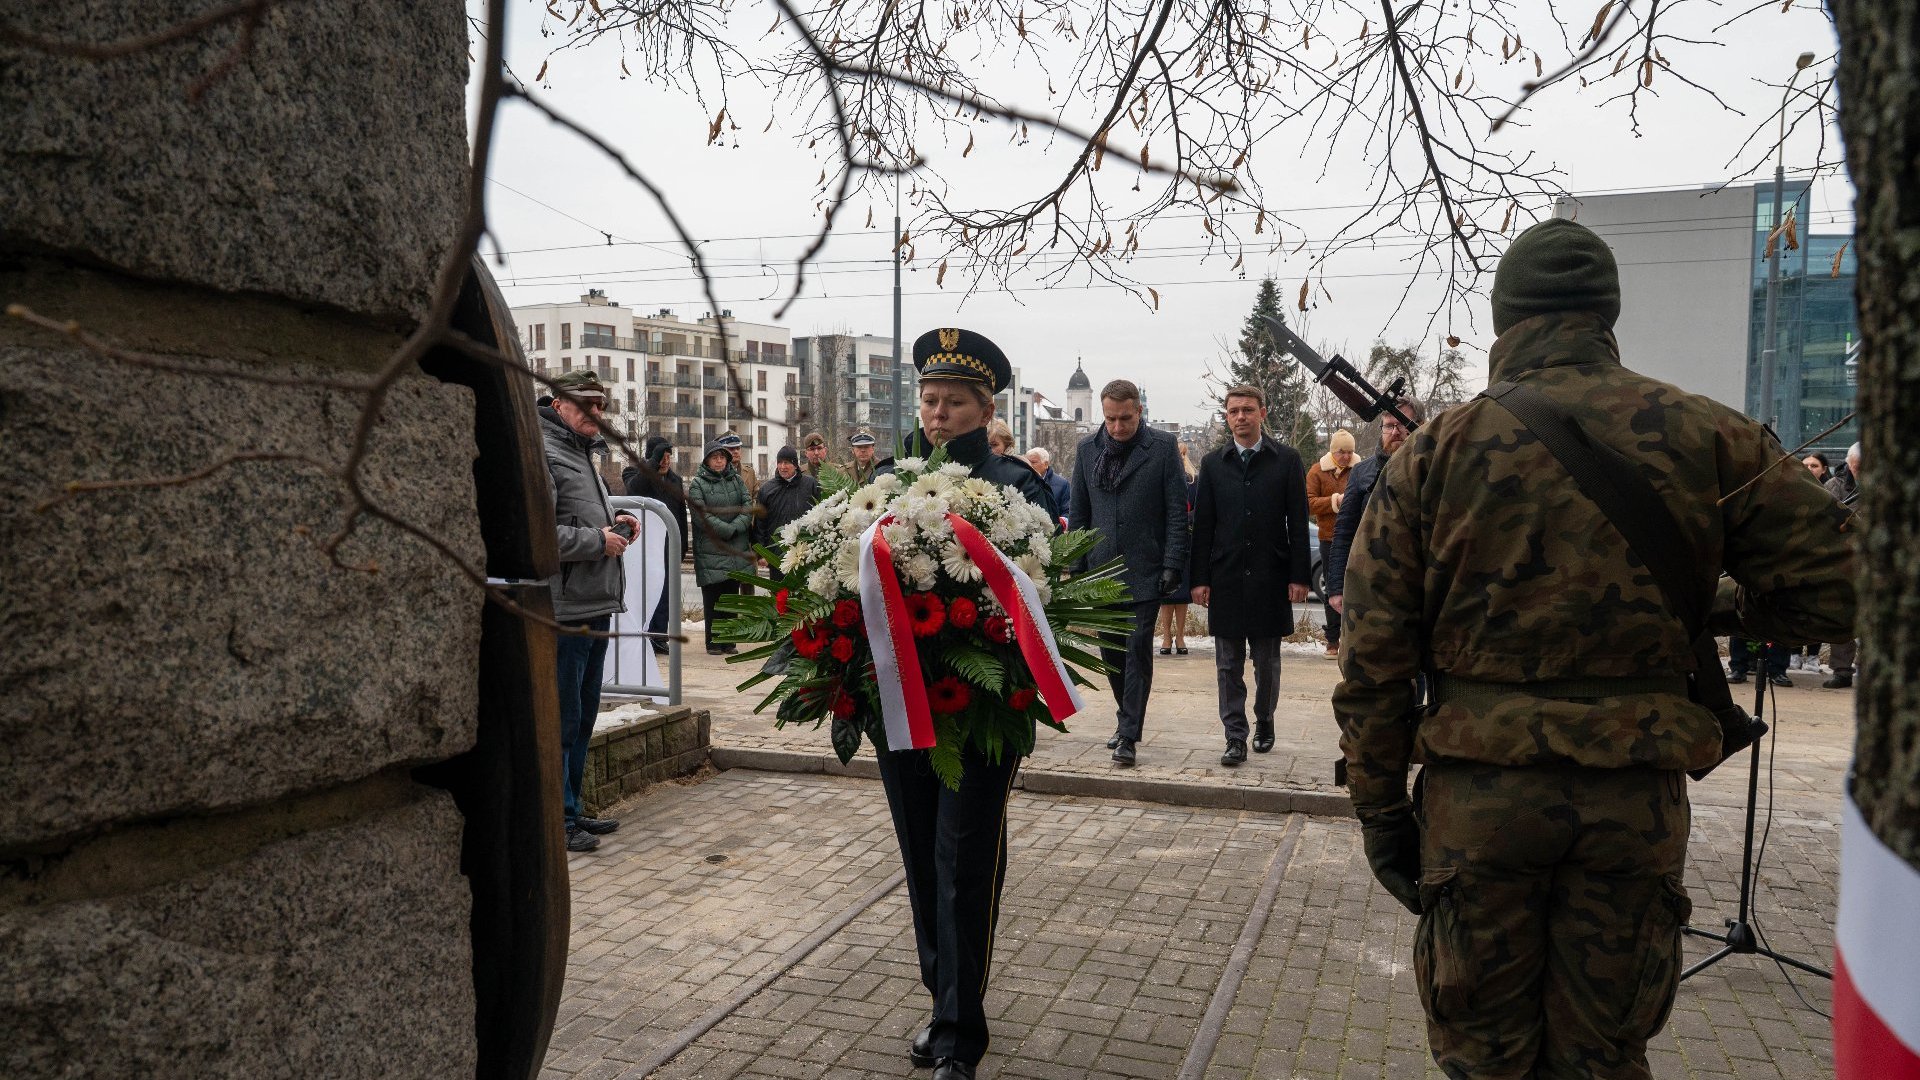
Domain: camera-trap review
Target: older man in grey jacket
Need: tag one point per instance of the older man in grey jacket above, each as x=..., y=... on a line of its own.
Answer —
x=1129, y=486
x=591, y=583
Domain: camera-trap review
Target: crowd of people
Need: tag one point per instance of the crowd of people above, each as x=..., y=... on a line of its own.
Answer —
x=1496, y=625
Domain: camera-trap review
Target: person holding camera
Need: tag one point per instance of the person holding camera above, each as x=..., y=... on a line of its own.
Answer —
x=1544, y=842
x=589, y=589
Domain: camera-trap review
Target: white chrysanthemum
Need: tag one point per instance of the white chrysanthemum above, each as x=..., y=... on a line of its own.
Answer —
x=927, y=513
x=920, y=570
x=912, y=466
x=854, y=523
x=822, y=581
x=796, y=555
x=790, y=533
x=846, y=566
x=1031, y=566
x=1045, y=590
x=1041, y=550
x=930, y=484
x=959, y=565
x=1005, y=531
x=899, y=535
x=813, y=520
x=956, y=471
x=870, y=499
x=886, y=482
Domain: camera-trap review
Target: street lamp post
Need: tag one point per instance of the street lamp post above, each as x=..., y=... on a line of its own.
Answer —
x=898, y=405
x=1770, y=334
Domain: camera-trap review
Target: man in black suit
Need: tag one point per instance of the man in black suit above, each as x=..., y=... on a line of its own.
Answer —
x=1129, y=486
x=1249, y=539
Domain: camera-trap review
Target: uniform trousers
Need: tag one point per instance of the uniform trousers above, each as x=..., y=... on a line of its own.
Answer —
x=954, y=847
x=1551, y=910
x=1132, y=676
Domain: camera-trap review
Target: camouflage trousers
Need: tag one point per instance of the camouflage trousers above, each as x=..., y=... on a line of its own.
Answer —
x=1549, y=943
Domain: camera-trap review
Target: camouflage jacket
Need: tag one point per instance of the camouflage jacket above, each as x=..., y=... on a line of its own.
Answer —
x=1481, y=561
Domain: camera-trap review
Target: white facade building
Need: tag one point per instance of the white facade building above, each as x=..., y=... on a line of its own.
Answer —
x=669, y=376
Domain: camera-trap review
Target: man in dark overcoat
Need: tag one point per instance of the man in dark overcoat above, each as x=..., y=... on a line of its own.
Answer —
x=1250, y=541
x=1128, y=485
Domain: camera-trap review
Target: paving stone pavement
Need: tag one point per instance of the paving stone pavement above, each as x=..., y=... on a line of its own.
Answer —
x=1118, y=920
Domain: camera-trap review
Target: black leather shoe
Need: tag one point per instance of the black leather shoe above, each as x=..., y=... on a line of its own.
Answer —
x=1262, y=736
x=1123, y=754
x=598, y=826
x=952, y=1069
x=1737, y=677
x=1166, y=652
x=1779, y=680
x=1114, y=741
x=921, y=1052
x=578, y=841
x=1838, y=682
x=1236, y=752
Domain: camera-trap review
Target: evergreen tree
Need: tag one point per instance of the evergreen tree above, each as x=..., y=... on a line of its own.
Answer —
x=1257, y=362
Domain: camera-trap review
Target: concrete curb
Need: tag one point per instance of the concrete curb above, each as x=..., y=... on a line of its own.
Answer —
x=1266, y=800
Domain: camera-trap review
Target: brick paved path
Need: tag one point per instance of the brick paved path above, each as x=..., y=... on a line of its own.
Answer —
x=1119, y=919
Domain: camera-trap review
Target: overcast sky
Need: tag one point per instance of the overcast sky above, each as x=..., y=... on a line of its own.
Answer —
x=555, y=199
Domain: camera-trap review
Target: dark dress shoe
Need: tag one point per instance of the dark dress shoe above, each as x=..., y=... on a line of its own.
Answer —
x=1114, y=741
x=1262, y=737
x=952, y=1069
x=578, y=841
x=1737, y=677
x=596, y=825
x=1182, y=650
x=1123, y=754
x=1166, y=652
x=921, y=1052
x=1236, y=752
x=1838, y=682
x=1779, y=680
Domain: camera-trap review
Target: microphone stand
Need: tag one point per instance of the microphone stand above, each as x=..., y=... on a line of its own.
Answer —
x=1741, y=937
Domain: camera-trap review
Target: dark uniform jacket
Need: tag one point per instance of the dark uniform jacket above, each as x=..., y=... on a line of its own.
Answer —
x=1250, y=538
x=1480, y=560
x=1143, y=521
x=782, y=501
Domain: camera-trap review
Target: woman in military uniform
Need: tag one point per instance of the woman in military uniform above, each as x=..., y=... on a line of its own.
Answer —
x=954, y=843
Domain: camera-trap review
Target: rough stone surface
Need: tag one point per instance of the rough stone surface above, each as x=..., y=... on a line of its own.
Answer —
x=326, y=165
x=186, y=648
x=338, y=953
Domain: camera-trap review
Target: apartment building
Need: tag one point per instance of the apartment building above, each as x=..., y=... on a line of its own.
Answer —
x=670, y=376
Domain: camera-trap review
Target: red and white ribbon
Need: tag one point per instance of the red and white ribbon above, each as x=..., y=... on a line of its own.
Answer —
x=1876, y=970
x=896, y=661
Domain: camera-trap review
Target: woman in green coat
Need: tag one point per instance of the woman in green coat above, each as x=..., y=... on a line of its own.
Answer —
x=722, y=519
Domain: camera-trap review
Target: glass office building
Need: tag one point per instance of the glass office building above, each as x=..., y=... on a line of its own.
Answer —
x=1815, y=325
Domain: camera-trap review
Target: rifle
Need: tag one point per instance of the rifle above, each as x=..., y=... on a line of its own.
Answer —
x=1342, y=378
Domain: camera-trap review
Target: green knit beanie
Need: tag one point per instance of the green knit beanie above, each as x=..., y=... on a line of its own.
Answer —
x=1558, y=265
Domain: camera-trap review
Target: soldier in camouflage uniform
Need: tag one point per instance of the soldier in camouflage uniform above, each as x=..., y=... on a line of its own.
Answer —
x=1546, y=859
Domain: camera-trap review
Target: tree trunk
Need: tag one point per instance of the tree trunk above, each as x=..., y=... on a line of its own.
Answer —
x=1879, y=85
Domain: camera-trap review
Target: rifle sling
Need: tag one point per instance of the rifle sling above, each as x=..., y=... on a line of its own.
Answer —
x=1628, y=500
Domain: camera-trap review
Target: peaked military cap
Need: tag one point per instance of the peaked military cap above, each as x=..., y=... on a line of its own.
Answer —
x=949, y=353
x=579, y=383
x=860, y=438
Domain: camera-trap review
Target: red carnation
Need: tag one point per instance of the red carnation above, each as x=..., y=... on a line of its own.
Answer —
x=843, y=702
x=949, y=695
x=846, y=613
x=842, y=649
x=997, y=628
x=925, y=614
x=1020, y=699
x=962, y=613
x=809, y=640
x=780, y=601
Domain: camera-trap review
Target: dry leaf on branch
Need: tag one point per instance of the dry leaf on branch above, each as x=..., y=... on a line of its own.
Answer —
x=719, y=121
x=1600, y=21
x=1303, y=294
x=1837, y=256
x=940, y=279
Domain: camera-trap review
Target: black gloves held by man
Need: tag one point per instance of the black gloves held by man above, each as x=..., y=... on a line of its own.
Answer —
x=1169, y=581
x=1392, y=839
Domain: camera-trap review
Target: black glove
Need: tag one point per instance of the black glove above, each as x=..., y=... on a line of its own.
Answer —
x=1169, y=581
x=1392, y=839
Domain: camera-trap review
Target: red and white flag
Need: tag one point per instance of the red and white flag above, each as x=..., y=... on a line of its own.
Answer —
x=1876, y=969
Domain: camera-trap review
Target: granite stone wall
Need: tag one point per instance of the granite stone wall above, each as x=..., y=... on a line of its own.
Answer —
x=214, y=860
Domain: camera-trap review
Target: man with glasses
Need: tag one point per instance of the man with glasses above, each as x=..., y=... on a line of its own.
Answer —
x=1353, y=502
x=592, y=584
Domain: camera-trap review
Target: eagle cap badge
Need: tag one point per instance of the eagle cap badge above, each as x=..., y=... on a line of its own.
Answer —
x=949, y=339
